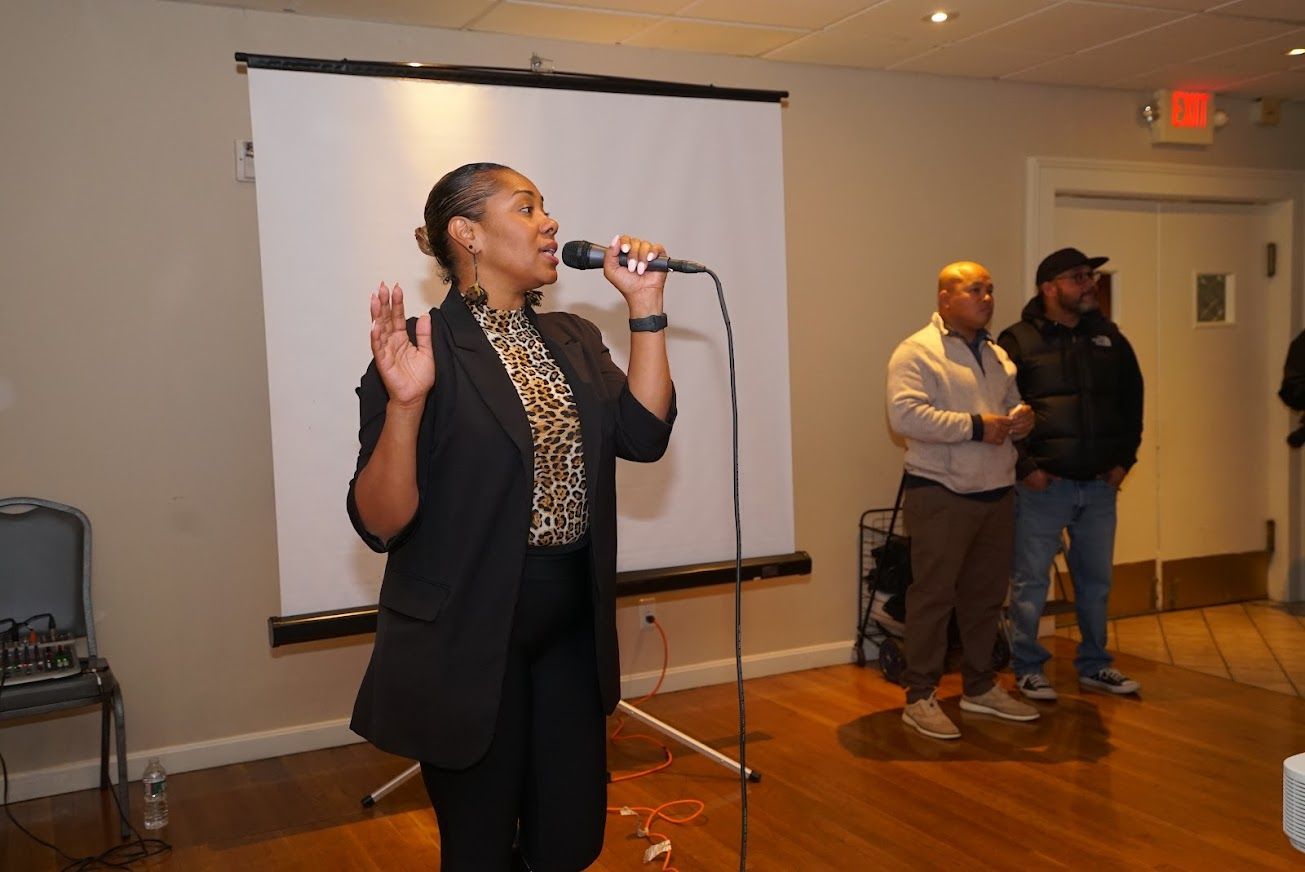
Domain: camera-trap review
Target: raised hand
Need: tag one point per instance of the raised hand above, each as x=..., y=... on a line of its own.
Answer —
x=407, y=370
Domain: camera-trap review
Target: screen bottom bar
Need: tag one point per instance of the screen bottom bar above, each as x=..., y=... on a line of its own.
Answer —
x=337, y=623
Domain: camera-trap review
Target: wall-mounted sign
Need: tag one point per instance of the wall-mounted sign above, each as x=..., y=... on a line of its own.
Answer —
x=1190, y=108
x=1183, y=117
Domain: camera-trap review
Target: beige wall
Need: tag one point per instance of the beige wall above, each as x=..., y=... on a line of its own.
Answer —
x=132, y=367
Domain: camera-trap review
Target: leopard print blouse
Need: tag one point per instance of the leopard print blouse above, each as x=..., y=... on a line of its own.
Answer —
x=560, y=509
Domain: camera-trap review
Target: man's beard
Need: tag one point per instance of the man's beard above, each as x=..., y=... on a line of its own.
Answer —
x=1086, y=302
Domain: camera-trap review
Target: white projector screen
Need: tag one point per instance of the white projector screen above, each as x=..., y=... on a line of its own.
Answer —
x=344, y=164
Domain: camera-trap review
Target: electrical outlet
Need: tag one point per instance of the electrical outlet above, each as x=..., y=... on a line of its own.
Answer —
x=244, y=160
x=647, y=612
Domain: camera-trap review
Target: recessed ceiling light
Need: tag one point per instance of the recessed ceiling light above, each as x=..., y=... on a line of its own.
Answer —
x=941, y=17
x=1296, y=51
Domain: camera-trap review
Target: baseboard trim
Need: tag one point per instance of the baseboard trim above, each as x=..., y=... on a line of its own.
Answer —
x=85, y=774
x=754, y=666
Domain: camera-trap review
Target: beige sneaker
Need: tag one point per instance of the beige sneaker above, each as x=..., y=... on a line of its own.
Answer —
x=1000, y=703
x=928, y=718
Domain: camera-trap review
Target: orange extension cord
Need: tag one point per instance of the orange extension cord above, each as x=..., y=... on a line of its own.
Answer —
x=653, y=814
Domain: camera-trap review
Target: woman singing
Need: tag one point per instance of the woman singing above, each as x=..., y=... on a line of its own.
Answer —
x=487, y=470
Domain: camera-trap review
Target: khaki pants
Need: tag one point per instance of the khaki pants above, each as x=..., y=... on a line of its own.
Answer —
x=961, y=551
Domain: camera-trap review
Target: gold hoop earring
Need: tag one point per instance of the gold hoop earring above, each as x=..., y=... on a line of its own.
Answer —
x=475, y=294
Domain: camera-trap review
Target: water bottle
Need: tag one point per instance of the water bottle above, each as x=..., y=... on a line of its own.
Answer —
x=155, y=781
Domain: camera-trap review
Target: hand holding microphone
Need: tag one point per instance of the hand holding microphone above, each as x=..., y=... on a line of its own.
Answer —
x=637, y=269
x=625, y=265
x=580, y=254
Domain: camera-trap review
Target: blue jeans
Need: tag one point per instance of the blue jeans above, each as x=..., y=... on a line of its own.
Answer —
x=1087, y=510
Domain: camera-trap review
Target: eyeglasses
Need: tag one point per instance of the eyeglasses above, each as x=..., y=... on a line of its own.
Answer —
x=1081, y=276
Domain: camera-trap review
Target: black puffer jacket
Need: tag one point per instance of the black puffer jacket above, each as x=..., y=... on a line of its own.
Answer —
x=1085, y=388
x=1293, y=375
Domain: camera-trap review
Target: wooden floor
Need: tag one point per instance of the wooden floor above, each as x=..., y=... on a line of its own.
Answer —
x=1187, y=777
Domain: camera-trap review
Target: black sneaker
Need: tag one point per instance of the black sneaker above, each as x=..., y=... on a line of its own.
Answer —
x=1034, y=685
x=1110, y=680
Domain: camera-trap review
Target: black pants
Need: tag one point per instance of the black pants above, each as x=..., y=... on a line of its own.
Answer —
x=543, y=781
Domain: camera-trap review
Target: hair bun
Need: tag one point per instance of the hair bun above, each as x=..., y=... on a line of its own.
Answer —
x=423, y=241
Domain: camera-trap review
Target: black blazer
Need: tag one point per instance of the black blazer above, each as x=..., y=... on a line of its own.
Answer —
x=431, y=690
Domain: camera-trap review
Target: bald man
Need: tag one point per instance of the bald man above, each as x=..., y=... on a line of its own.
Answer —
x=953, y=399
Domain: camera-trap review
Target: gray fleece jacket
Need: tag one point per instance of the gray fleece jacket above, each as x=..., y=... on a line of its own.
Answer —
x=935, y=387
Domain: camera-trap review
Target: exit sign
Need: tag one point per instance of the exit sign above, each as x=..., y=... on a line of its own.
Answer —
x=1189, y=108
x=1184, y=118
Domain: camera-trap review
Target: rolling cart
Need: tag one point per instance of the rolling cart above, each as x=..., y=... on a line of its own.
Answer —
x=884, y=574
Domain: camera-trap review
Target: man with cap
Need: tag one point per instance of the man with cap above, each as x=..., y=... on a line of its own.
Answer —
x=1080, y=375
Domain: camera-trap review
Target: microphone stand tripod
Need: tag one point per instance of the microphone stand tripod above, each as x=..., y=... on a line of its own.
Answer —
x=625, y=708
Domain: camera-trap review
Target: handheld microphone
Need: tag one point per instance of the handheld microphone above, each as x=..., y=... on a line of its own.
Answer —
x=579, y=254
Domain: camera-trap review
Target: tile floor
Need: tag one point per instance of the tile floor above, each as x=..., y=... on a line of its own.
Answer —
x=1259, y=643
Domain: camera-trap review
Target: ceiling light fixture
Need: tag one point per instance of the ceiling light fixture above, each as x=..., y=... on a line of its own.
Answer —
x=1295, y=52
x=941, y=17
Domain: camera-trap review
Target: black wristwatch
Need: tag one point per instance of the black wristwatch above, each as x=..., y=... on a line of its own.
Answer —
x=650, y=324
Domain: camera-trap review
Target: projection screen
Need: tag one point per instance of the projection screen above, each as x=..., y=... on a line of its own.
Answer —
x=344, y=164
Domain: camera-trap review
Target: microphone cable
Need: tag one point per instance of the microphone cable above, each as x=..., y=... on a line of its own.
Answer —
x=738, y=582
x=584, y=255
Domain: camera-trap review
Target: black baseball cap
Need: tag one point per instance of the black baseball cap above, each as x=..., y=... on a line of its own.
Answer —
x=1063, y=261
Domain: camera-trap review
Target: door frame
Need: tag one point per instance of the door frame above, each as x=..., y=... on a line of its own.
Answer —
x=1049, y=177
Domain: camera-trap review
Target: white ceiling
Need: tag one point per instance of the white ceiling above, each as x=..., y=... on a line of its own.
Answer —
x=1229, y=46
